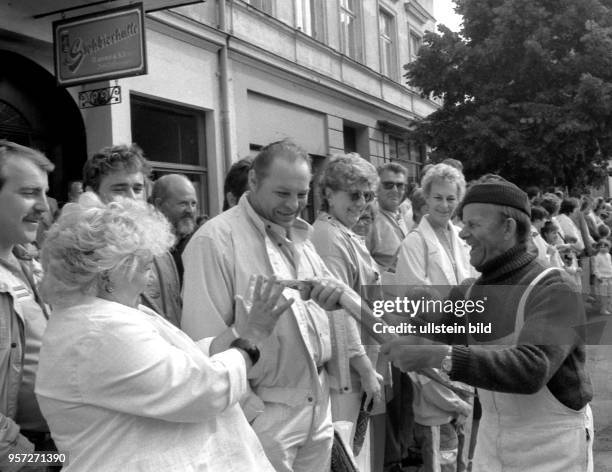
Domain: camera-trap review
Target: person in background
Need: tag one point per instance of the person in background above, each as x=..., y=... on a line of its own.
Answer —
x=570, y=264
x=389, y=229
x=567, y=213
x=365, y=222
x=419, y=206
x=75, y=189
x=47, y=220
x=236, y=182
x=551, y=203
x=587, y=223
x=347, y=185
x=457, y=164
x=23, y=314
x=175, y=196
x=123, y=389
x=288, y=406
x=123, y=171
x=534, y=194
x=604, y=231
x=539, y=216
x=550, y=234
x=602, y=270
x=405, y=207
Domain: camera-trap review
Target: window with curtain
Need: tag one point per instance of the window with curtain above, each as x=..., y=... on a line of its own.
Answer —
x=388, y=59
x=350, y=28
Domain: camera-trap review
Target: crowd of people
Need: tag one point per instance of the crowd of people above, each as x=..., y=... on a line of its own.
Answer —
x=133, y=337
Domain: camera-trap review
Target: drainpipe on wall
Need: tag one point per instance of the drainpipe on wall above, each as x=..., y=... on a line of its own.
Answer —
x=224, y=88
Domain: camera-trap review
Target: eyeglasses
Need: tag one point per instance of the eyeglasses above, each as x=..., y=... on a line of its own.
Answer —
x=367, y=195
x=389, y=185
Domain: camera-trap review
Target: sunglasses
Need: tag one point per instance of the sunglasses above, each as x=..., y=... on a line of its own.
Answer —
x=389, y=185
x=368, y=196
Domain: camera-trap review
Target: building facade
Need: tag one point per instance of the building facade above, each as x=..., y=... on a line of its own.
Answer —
x=224, y=78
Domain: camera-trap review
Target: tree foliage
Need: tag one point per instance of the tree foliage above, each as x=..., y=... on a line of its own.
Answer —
x=526, y=88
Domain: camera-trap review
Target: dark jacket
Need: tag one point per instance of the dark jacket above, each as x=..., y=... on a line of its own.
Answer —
x=550, y=351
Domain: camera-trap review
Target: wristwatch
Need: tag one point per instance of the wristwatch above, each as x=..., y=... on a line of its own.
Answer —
x=247, y=346
x=447, y=361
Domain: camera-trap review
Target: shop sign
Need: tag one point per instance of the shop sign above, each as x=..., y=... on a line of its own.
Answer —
x=100, y=46
x=100, y=97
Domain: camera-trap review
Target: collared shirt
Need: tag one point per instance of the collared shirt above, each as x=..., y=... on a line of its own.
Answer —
x=28, y=416
x=424, y=261
x=220, y=261
x=123, y=389
x=383, y=242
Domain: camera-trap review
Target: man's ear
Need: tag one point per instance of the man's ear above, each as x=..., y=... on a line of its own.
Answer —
x=510, y=228
x=252, y=180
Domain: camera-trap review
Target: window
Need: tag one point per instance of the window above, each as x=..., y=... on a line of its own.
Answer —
x=350, y=29
x=179, y=148
x=263, y=5
x=414, y=46
x=310, y=18
x=388, y=61
x=406, y=153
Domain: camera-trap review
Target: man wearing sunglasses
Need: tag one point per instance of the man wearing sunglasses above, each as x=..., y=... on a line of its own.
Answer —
x=389, y=228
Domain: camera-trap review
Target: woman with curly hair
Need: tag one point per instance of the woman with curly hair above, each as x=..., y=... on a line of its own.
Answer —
x=121, y=387
x=347, y=185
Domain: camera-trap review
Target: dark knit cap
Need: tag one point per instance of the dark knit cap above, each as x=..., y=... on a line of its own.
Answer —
x=499, y=192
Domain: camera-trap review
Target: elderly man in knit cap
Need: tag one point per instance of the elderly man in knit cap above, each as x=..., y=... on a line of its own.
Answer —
x=530, y=369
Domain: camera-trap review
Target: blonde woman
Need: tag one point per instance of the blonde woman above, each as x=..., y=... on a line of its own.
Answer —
x=121, y=387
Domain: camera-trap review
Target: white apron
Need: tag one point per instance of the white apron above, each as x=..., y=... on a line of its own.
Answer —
x=531, y=433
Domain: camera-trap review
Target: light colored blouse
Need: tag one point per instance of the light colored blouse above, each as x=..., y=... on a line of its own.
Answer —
x=123, y=389
x=424, y=261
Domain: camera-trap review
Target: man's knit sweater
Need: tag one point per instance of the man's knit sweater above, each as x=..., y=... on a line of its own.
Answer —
x=545, y=354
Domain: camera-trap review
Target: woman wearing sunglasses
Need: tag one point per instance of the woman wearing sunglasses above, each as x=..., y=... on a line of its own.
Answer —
x=347, y=185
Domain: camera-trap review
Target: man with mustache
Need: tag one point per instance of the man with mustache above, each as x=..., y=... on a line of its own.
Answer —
x=175, y=196
x=23, y=315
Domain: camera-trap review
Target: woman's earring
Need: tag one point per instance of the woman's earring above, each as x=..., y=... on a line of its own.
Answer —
x=108, y=285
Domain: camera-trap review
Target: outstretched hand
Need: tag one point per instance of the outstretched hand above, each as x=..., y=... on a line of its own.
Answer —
x=409, y=357
x=325, y=292
x=265, y=309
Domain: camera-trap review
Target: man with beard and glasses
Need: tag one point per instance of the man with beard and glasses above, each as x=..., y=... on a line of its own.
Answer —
x=175, y=196
x=122, y=171
x=23, y=315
